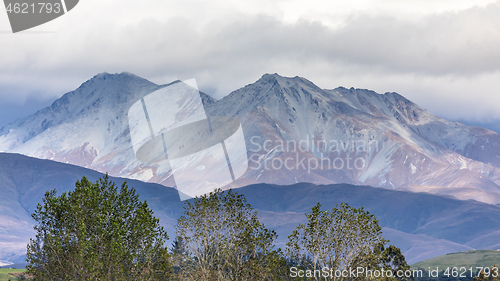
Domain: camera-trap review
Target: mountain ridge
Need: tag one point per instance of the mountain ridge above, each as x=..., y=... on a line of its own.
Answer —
x=415, y=150
x=384, y=108
x=422, y=225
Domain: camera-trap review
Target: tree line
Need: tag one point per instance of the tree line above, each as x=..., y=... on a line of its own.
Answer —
x=100, y=231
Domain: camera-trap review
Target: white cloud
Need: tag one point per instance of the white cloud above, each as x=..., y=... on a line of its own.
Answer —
x=442, y=54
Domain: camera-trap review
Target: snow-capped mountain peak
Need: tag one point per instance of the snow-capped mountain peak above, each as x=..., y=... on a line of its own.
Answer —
x=403, y=144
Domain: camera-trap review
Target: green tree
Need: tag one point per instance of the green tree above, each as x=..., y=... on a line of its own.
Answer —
x=492, y=274
x=345, y=238
x=222, y=239
x=391, y=258
x=97, y=233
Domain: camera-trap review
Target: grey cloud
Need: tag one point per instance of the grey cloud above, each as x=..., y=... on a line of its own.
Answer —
x=367, y=51
x=462, y=43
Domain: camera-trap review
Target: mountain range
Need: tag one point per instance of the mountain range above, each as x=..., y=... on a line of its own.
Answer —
x=304, y=144
x=422, y=225
x=387, y=140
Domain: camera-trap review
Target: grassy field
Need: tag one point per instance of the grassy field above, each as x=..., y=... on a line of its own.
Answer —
x=5, y=274
x=466, y=265
x=475, y=258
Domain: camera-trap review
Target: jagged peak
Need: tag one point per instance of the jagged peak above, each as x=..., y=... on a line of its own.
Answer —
x=125, y=74
x=116, y=77
x=104, y=87
x=352, y=90
x=397, y=97
x=270, y=75
x=268, y=79
x=105, y=80
x=284, y=82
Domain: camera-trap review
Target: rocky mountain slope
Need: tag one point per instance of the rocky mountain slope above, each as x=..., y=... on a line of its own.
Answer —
x=295, y=132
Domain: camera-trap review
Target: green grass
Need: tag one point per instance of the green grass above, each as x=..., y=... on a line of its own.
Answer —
x=481, y=258
x=465, y=265
x=5, y=276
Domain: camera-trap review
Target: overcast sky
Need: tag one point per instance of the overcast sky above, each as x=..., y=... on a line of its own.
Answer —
x=442, y=54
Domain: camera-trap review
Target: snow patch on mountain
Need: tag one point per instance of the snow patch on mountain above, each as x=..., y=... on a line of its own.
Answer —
x=403, y=144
